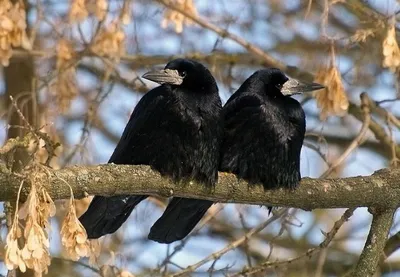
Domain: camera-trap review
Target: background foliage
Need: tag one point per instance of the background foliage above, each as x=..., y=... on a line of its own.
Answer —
x=71, y=74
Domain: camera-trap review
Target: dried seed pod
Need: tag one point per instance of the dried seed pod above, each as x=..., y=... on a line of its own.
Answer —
x=12, y=29
x=78, y=11
x=36, y=210
x=110, y=42
x=65, y=88
x=333, y=100
x=390, y=50
x=176, y=18
x=73, y=235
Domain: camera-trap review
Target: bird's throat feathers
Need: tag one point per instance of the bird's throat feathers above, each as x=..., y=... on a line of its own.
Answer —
x=203, y=99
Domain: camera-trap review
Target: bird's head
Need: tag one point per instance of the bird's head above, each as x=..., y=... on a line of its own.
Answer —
x=184, y=73
x=276, y=82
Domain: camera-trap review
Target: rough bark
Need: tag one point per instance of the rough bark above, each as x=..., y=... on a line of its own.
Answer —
x=381, y=189
x=375, y=243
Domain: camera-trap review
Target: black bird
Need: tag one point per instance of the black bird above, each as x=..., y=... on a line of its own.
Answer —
x=175, y=128
x=264, y=130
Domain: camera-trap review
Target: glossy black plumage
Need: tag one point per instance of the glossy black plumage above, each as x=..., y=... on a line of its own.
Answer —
x=175, y=128
x=263, y=132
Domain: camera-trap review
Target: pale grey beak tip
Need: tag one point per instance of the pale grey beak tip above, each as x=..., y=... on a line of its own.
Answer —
x=165, y=76
x=293, y=86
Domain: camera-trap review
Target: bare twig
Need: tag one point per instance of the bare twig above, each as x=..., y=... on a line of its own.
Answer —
x=233, y=245
x=328, y=238
x=376, y=129
x=12, y=144
x=269, y=60
x=321, y=262
x=357, y=141
x=79, y=263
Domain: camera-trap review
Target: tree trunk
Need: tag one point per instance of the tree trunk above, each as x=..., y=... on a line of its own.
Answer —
x=18, y=79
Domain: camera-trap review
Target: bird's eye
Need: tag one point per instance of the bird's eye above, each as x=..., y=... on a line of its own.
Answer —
x=279, y=86
x=182, y=73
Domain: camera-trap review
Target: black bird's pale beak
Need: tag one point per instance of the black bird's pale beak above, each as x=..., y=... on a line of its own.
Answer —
x=293, y=86
x=165, y=76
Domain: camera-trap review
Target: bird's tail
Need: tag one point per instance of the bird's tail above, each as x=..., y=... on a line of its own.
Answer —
x=106, y=214
x=180, y=217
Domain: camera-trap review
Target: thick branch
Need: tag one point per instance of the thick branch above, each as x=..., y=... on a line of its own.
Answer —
x=374, y=246
x=378, y=190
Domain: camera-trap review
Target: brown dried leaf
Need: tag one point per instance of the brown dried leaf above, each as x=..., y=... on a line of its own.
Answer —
x=176, y=18
x=333, y=100
x=73, y=235
x=101, y=9
x=65, y=53
x=30, y=205
x=390, y=50
x=49, y=206
x=13, y=255
x=12, y=29
x=36, y=210
x=78, y=11
x=65, y=88
x=110, y=42
x=37, y=253
x=26, y=254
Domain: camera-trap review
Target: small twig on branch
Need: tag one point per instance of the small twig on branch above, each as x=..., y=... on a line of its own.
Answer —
x=233, y=245
x=358, y=140
x=64, y=260
x=328, y=238
x=14, y=143
x=376, y=129
x=392, y=244
x=269, y=60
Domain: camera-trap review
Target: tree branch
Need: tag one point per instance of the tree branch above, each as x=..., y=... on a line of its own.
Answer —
x=374, y=246
x=378, y=190
x=251, y=48
x=377, y=129
x=328, y=238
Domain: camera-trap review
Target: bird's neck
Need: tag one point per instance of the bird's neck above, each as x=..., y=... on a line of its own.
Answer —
x=197, y=100
x=266, y=91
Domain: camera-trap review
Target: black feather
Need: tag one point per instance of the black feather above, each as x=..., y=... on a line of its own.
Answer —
x=201, y=146
x=180, y=217
x=175, y=130
x=263, y=132
x=106, y=214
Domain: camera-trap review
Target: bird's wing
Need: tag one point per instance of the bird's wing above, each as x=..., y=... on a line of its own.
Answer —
x=146, y=127
x=139, y=143
x=241, y=110
x=261, y=142
x=241, y=118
